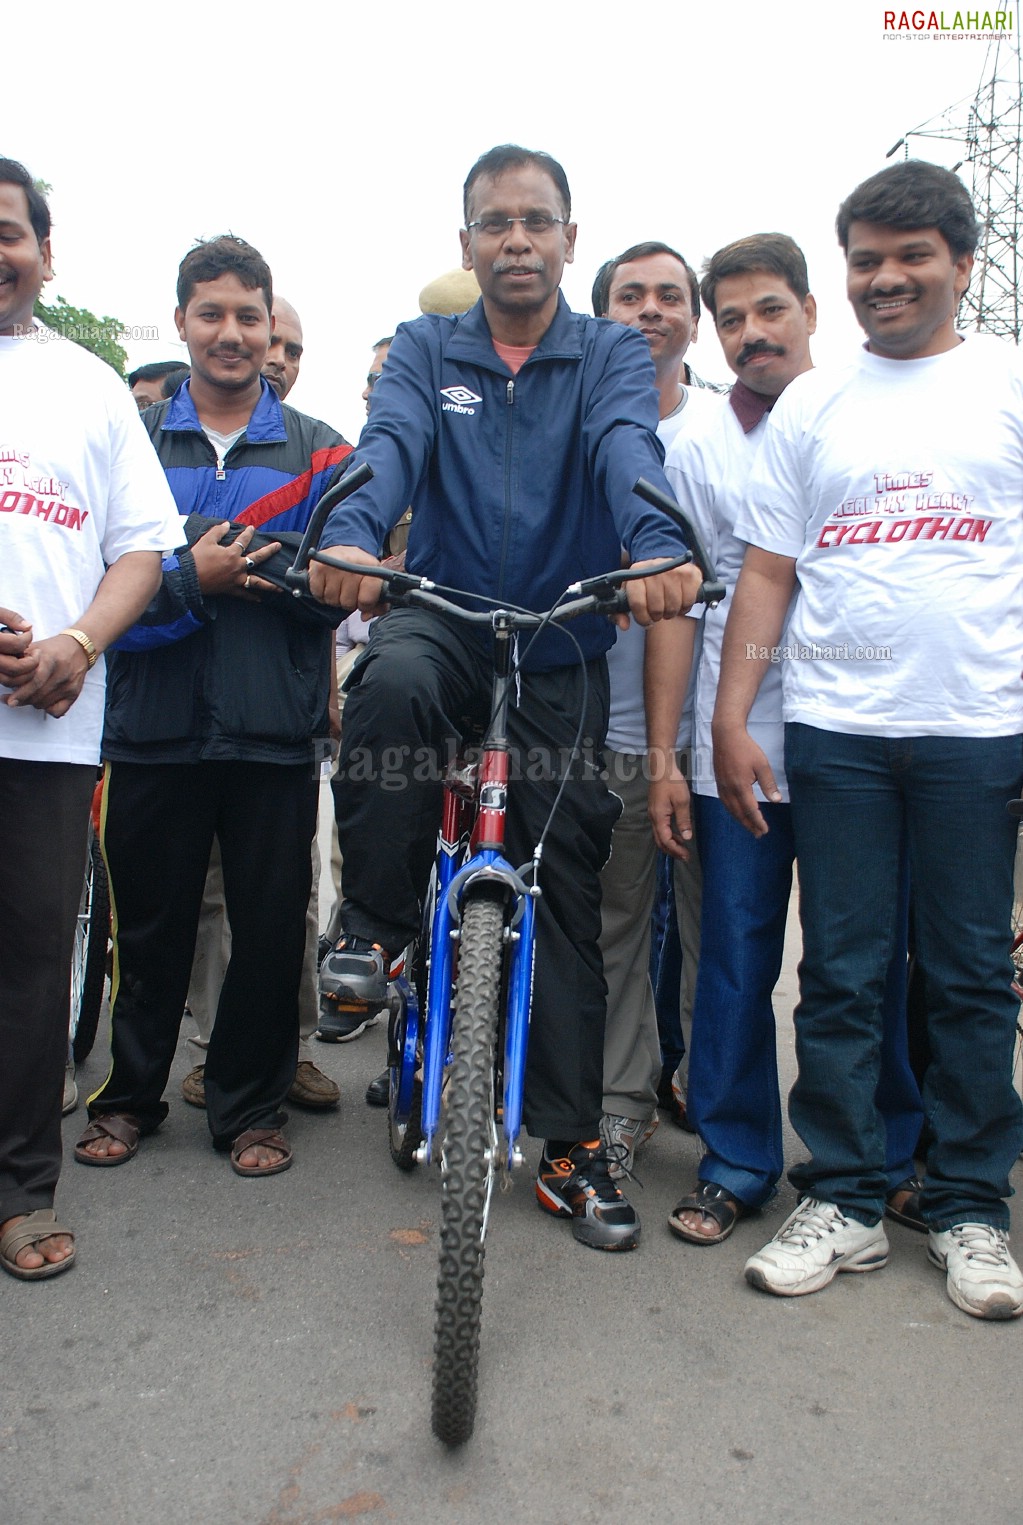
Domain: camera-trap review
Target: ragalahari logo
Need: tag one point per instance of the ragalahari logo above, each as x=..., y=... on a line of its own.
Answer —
x=459, y=400
x=947, y=26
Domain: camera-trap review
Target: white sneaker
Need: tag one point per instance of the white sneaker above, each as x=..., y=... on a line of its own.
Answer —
x=811, y=1247
x=622, y=1136
x=70, y=1101
x=981, y=1276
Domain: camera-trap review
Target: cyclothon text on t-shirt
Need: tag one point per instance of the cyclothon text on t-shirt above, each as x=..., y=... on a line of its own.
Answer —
x=80, y=485
x=897, y=486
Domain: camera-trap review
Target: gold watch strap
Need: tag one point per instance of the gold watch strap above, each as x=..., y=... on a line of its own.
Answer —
x=84, y=642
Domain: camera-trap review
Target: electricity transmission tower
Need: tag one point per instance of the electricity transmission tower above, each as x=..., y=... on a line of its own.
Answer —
x=986, y=131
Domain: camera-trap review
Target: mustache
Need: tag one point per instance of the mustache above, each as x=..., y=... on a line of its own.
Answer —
x=503, y=266
x=761, y=347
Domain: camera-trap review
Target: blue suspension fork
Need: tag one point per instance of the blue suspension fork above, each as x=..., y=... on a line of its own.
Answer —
x=488, y=838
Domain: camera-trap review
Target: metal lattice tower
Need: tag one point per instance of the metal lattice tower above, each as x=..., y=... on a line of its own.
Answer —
x=986, y=133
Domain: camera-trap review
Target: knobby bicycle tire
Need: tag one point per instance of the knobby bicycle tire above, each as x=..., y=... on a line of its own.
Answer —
x=466, y=1172
x=89, y=956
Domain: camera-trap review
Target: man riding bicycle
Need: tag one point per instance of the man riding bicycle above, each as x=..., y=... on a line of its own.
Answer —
x=516, y=431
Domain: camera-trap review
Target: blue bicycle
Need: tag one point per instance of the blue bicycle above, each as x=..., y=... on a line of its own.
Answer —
x=459, y=1024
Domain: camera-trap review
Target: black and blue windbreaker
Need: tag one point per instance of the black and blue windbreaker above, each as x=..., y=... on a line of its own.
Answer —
x=222, y=678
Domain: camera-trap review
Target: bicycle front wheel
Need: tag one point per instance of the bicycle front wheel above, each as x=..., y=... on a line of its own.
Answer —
x=467, y=1171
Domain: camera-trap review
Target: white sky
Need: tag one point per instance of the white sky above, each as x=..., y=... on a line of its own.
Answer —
x=337, y=141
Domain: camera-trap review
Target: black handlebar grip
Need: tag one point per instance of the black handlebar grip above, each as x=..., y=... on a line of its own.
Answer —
x=352, y=480
x=713, y=589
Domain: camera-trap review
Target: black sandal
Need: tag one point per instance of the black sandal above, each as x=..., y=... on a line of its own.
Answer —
x=713, y=1202
x=909, y=1214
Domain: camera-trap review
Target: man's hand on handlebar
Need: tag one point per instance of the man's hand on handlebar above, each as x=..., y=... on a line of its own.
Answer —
x=344, y=589
x=661, y=596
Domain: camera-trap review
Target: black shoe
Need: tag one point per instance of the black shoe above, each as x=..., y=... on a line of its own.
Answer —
x=378, y=1092
x=340, y=1024
x=353, y=988
x=579, y=1186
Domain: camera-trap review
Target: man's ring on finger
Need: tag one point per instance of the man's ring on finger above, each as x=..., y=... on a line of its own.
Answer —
x=248, y=579
x=250, y=565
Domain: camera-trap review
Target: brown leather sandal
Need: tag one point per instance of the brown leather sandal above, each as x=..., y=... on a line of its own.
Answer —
x=117, y=1125
x=273, y=1139
x=42, y=1224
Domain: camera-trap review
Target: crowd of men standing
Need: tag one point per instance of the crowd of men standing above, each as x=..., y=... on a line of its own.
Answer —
x=867, y=522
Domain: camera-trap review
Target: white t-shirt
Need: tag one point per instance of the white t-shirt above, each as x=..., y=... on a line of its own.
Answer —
x=708, y=467
x=626, y=731
x=80, y=485
x=898, y=487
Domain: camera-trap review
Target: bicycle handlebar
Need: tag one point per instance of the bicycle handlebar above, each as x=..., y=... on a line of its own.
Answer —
x=599, y=595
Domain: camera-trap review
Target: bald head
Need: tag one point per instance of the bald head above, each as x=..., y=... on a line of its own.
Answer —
x=285, y=353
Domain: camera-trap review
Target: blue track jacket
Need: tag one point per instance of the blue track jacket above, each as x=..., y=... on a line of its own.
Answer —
x=518, y=485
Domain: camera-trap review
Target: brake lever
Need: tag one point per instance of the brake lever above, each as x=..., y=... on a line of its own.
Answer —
x=713, y=589
x=297, y=575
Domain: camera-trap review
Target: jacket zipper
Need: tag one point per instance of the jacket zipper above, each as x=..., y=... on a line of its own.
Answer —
x=510, y=397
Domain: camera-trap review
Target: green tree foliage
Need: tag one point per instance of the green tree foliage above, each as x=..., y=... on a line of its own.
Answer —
x=100, y=335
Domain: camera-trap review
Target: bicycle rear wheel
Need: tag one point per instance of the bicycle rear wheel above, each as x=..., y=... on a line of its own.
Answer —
x=468, y=1166
x=89, y=955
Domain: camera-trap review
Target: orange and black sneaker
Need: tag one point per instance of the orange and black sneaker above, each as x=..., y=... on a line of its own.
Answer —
x=353, y=988
x=578, y=1185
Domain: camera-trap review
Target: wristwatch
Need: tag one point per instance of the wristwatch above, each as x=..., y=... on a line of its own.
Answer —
x=91, y=654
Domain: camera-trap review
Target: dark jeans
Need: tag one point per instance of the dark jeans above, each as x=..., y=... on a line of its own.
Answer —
x=44, y=819
x=853, y=797
x=414, y=693
x=159, y=822
x=733, y=1072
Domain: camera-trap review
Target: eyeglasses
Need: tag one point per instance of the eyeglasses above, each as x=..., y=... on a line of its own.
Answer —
x=533, y=222
x=372, y=379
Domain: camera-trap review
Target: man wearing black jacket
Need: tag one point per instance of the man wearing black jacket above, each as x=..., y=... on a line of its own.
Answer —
x=211, y=729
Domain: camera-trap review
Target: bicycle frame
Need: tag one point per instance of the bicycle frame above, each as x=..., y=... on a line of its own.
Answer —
x=470, y=855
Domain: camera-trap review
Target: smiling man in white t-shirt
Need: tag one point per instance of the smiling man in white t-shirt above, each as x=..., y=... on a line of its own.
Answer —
x=84, y=514
x=650, y=288
x=891, y=494
x=757, y=291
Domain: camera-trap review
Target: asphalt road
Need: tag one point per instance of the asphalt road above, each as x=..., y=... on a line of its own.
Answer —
x=239, y=1352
